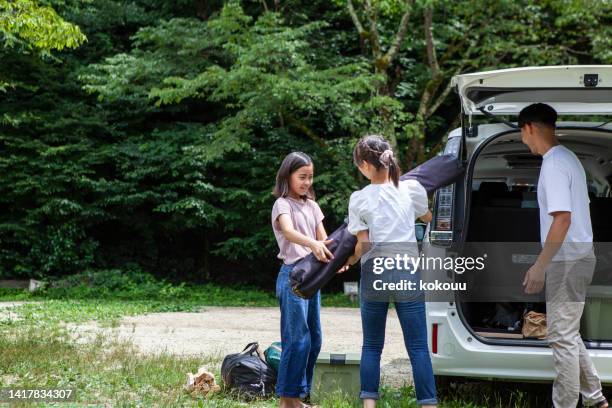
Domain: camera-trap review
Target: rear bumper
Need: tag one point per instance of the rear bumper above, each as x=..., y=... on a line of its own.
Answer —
x=460, y=353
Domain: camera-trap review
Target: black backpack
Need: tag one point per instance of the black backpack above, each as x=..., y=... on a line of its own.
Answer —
x=248, y=374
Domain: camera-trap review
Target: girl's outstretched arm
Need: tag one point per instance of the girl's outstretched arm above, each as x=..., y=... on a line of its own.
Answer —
x=363, y=242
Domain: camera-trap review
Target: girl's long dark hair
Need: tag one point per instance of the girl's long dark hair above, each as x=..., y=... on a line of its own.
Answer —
x=377, y=151
x=290, y=164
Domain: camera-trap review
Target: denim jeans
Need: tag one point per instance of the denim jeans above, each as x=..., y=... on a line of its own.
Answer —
x=412, y=319
x=300, y=338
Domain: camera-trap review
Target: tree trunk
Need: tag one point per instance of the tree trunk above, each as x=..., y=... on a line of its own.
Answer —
x=206, y=257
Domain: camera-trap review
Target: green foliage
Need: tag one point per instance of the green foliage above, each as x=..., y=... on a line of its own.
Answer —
x=466, y=36
x=157, y=141
x=26, y=24
x=258, y=80
x=100, y=294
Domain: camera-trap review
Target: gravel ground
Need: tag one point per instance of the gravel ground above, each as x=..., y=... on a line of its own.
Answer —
x=219, y=331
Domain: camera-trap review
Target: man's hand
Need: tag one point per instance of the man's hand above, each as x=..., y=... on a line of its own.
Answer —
x=320, y=251
x=535, y=276
x=349, y=262
x=344, y=268
x=534, y=279
x=426, y=218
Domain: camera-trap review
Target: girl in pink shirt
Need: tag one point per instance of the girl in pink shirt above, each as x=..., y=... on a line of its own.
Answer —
x=298, y=228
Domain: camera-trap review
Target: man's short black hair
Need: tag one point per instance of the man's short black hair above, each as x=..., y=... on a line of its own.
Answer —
x=537, y=113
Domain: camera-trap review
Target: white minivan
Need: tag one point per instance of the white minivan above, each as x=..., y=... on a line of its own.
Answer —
x=495, y=201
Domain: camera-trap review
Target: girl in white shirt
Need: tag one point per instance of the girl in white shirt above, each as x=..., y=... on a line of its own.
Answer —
x=384, y=212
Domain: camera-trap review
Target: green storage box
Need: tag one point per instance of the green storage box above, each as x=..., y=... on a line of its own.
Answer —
x=596, y=323
x=273, y=354
x=336, y=372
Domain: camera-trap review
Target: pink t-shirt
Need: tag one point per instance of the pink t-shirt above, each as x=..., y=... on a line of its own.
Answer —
x=305, y=215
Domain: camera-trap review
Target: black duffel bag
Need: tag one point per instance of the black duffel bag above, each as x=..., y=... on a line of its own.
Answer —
x=248, y=374
x=309, y=274
x=439, y=171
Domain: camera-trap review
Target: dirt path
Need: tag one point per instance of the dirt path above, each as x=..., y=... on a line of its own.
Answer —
x=223, y=330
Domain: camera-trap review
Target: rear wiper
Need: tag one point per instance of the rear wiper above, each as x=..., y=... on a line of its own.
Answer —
x=497, y=118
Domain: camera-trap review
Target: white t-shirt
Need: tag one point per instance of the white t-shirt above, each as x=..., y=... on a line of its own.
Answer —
x=562, y=187
x=387, y=212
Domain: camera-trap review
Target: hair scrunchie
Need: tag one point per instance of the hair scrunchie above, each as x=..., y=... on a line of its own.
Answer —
x=386, y=158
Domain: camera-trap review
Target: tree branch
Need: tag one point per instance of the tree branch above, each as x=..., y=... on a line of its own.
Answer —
x=573, y=51
x=355, y=18
x=281, y=119
x=374, y=39
x=400, y=35
x=454, y=46
x=442, y=97
x=265, y=5
x=362, y=32
x=432, y=109
x=428, y=105
x=432, y=58
x=305, y=130
x=427, y=96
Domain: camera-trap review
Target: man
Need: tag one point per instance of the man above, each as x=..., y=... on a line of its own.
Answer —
x=566, y=262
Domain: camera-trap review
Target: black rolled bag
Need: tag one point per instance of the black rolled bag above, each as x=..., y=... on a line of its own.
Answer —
x=437, y=172
x=309, y=274
x=247, y=374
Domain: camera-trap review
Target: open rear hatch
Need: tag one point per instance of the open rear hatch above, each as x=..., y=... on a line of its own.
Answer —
x=570, y=90
x=505, y=225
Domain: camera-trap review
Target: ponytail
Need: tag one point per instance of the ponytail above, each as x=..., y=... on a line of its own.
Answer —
x=394, y=172
x=377, y=151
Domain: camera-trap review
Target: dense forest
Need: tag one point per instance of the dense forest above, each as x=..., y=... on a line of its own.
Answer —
x=146, y=134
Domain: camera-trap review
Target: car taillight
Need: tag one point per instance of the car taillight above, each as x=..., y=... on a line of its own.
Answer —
x=442, y=231
x=444, y=209
x=434, y=338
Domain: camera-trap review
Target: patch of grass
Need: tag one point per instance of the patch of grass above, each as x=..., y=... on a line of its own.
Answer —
x=112, y=372
x=108, y=372
x=102, y=371
x=499, y=394
x=12, y=295
x=79, y=311
x=108, y=295
x=134, y=285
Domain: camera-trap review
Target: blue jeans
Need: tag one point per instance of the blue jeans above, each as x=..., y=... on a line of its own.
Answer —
x=412, y=319
x=300, y=337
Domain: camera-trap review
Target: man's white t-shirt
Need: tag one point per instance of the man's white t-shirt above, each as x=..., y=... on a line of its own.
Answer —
x=563, y=187
x=388, y=212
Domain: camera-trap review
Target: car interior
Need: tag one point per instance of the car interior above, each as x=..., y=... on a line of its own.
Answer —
x=504, y=208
